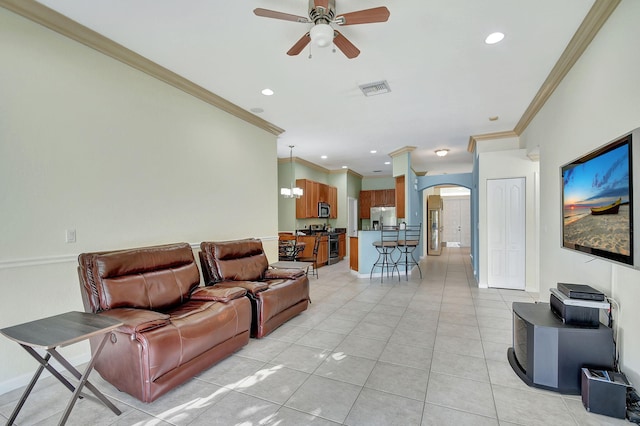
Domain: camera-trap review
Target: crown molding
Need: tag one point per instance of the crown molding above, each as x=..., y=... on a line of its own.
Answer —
x=586, y=32
x=306, y=163
x=595, y=19
x=59, y=23
x=346, y=172
x=314, y=166
x=403, y=150
x=36, y=12
x=473, y=140
x=356, y=174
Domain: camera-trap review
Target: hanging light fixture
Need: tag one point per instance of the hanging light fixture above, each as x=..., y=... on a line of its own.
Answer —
x=321, y=35
x=292, y=191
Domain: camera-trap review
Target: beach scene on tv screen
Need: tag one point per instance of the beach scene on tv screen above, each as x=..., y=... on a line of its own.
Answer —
x=596, y=203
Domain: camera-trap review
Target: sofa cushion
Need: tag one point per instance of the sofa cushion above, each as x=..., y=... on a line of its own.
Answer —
x=137, y=320
x=241, y=260
x=289, y=274
x=252, y=287
x=153, y=278
x=218, y=294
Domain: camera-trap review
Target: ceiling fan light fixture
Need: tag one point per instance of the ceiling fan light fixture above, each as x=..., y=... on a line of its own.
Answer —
x=321, y=35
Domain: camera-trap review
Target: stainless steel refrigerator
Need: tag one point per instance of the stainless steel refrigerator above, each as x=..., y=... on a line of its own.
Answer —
x=383, y=216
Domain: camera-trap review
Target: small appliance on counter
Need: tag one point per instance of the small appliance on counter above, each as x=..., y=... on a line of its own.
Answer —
x=314, y=229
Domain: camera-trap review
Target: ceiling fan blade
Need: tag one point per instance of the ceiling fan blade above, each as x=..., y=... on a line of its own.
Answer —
x=300, y=44
x=266, y=13
x=321, y=3
x=345, y=46
x=367, y=16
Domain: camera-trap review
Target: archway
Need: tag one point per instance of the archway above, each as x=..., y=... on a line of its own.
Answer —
x=464, y=180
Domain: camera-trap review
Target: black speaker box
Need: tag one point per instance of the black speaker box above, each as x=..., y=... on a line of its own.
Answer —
x=604, y=392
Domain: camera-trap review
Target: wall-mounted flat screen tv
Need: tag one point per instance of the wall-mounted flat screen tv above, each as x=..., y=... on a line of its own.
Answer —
x=597, y=199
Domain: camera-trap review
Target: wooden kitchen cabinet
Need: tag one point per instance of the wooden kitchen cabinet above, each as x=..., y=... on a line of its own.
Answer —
x=315, y=192
x=365, y=204
x=333, y=202
x=304, y=207
x=323, y=251
x=342, y=246
x=400, y=199
x=385, y=198
x=323, y=248
x=353, y=253
x=323, y=193
x=376, y=198
x=311, y=201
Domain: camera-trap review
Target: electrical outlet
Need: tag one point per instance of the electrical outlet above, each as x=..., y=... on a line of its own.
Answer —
x=70, y=236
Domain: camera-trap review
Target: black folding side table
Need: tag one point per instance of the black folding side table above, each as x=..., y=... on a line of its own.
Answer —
x=59, y=331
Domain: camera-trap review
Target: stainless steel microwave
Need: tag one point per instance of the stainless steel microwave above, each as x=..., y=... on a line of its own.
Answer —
x=324, y=210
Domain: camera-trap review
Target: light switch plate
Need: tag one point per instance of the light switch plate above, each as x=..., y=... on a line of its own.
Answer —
x=70, y=236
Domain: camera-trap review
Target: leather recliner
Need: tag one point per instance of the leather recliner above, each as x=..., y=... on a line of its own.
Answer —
x=276, y=295
x=173, y=328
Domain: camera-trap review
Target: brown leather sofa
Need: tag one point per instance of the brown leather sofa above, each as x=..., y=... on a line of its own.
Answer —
x=173, y=328
x=276, y=295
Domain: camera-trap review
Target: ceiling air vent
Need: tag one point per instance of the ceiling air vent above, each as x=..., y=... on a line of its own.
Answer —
x=377, y=88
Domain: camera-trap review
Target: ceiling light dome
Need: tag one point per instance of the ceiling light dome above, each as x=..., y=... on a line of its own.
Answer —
x=442, y=152
x=321, y=35
x=494, y=38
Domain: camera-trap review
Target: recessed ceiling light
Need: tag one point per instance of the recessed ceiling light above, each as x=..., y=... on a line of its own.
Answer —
x=442, y=152
x=494, y=38
x=373, y=151
x=345, y=167
x=257, y=110
x=267, y=92
x=387, y=162
x=493, y=118
x=324, y=157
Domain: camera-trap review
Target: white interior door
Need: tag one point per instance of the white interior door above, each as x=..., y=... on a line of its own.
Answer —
x=450, y=222
x=352, y=217
x=456, y=221
x=506, y=233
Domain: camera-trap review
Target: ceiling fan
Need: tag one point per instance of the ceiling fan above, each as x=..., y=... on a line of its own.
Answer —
x=322, y=13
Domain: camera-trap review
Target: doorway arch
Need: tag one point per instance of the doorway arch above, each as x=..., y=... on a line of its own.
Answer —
x=465, y=180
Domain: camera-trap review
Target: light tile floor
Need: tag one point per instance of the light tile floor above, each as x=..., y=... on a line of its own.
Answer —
x=428, y=351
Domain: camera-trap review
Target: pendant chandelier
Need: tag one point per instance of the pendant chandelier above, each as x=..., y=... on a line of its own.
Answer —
x=292, y=191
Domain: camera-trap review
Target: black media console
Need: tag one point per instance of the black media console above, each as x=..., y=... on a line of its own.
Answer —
x=549, y=354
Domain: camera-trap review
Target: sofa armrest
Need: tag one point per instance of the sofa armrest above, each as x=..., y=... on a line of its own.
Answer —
x=288, y=274
x=137, y=320
x=252, y=287
x=223, y=294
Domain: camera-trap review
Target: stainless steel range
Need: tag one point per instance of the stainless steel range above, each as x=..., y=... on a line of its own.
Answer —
x=333, y=248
